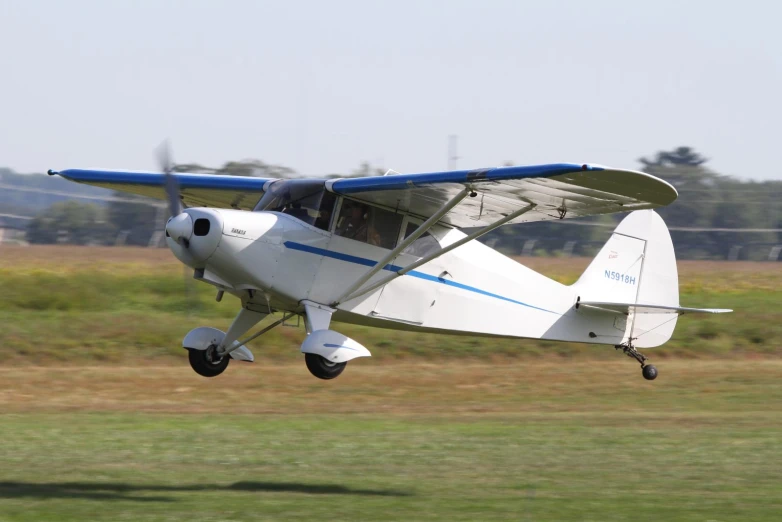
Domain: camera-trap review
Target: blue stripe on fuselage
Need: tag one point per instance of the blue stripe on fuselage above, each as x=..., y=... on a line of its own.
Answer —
x=394, y=268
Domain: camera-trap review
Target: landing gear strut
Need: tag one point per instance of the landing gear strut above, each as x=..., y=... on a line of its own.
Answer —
x=326, y=352
x=648, y=370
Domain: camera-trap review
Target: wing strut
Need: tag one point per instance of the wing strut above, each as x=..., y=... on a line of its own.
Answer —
x=478, y=233
x=426, y=225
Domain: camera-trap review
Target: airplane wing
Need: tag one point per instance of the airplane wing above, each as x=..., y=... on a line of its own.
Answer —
x=197, y=190
x=640, y=308
x=559, y=191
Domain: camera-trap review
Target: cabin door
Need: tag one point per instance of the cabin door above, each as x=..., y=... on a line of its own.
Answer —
x=409, y=298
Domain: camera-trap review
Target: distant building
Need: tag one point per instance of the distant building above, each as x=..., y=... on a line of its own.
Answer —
x=13, y=228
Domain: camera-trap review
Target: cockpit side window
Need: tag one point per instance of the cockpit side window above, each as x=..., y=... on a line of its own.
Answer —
x=423, y=246
x=307, y=200
x=325, y=211
x=368, y=224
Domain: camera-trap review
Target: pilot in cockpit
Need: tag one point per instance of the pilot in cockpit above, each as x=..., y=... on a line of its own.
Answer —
x=354, y=224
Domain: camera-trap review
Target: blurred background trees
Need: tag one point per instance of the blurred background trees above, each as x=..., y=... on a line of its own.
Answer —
x=71, y=222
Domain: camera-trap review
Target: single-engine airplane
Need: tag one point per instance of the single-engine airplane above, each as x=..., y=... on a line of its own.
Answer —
x=389, y=251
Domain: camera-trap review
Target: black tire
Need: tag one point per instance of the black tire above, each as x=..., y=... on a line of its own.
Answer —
x=323, y=368
x=649, y=372
x=203, y=363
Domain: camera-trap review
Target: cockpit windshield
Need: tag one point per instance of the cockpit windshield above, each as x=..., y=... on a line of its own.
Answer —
x=304, y=199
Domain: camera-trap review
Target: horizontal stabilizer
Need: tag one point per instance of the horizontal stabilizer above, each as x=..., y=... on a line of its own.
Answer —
x=640, y=308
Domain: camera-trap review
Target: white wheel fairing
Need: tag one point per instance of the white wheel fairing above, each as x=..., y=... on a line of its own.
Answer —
x=203, y=337
x=242, y=354
x=333, y=346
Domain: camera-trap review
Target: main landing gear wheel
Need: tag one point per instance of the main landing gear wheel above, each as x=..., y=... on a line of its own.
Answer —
x=649, y=371
x=206, y=362
x=322, y=368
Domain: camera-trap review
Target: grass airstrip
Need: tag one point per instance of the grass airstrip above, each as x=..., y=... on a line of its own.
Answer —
x=102, y=419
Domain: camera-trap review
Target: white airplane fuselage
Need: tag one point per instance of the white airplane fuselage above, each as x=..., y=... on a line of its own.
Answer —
x=471, y=290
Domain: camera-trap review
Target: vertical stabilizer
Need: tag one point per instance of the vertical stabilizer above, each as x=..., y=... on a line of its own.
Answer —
x=636, y=265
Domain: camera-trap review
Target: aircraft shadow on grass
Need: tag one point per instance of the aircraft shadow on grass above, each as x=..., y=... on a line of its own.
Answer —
x=124, y=491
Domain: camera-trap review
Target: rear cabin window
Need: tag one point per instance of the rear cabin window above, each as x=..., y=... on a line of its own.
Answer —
x=423, y=246
x=368, y=224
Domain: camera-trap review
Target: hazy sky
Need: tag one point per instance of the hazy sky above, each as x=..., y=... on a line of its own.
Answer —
x=323, y=86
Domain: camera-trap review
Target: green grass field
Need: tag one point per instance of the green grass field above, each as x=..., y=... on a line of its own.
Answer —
x=398, y=441
x=122, y=304
x=102, y=419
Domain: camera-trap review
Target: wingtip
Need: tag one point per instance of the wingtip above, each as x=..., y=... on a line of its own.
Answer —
x=52, y=172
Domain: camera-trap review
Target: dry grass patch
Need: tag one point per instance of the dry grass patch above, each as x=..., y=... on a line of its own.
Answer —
x=413, y=388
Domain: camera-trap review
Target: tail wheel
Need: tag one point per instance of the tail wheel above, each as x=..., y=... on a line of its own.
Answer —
x=322, y=368
x=206, y=362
